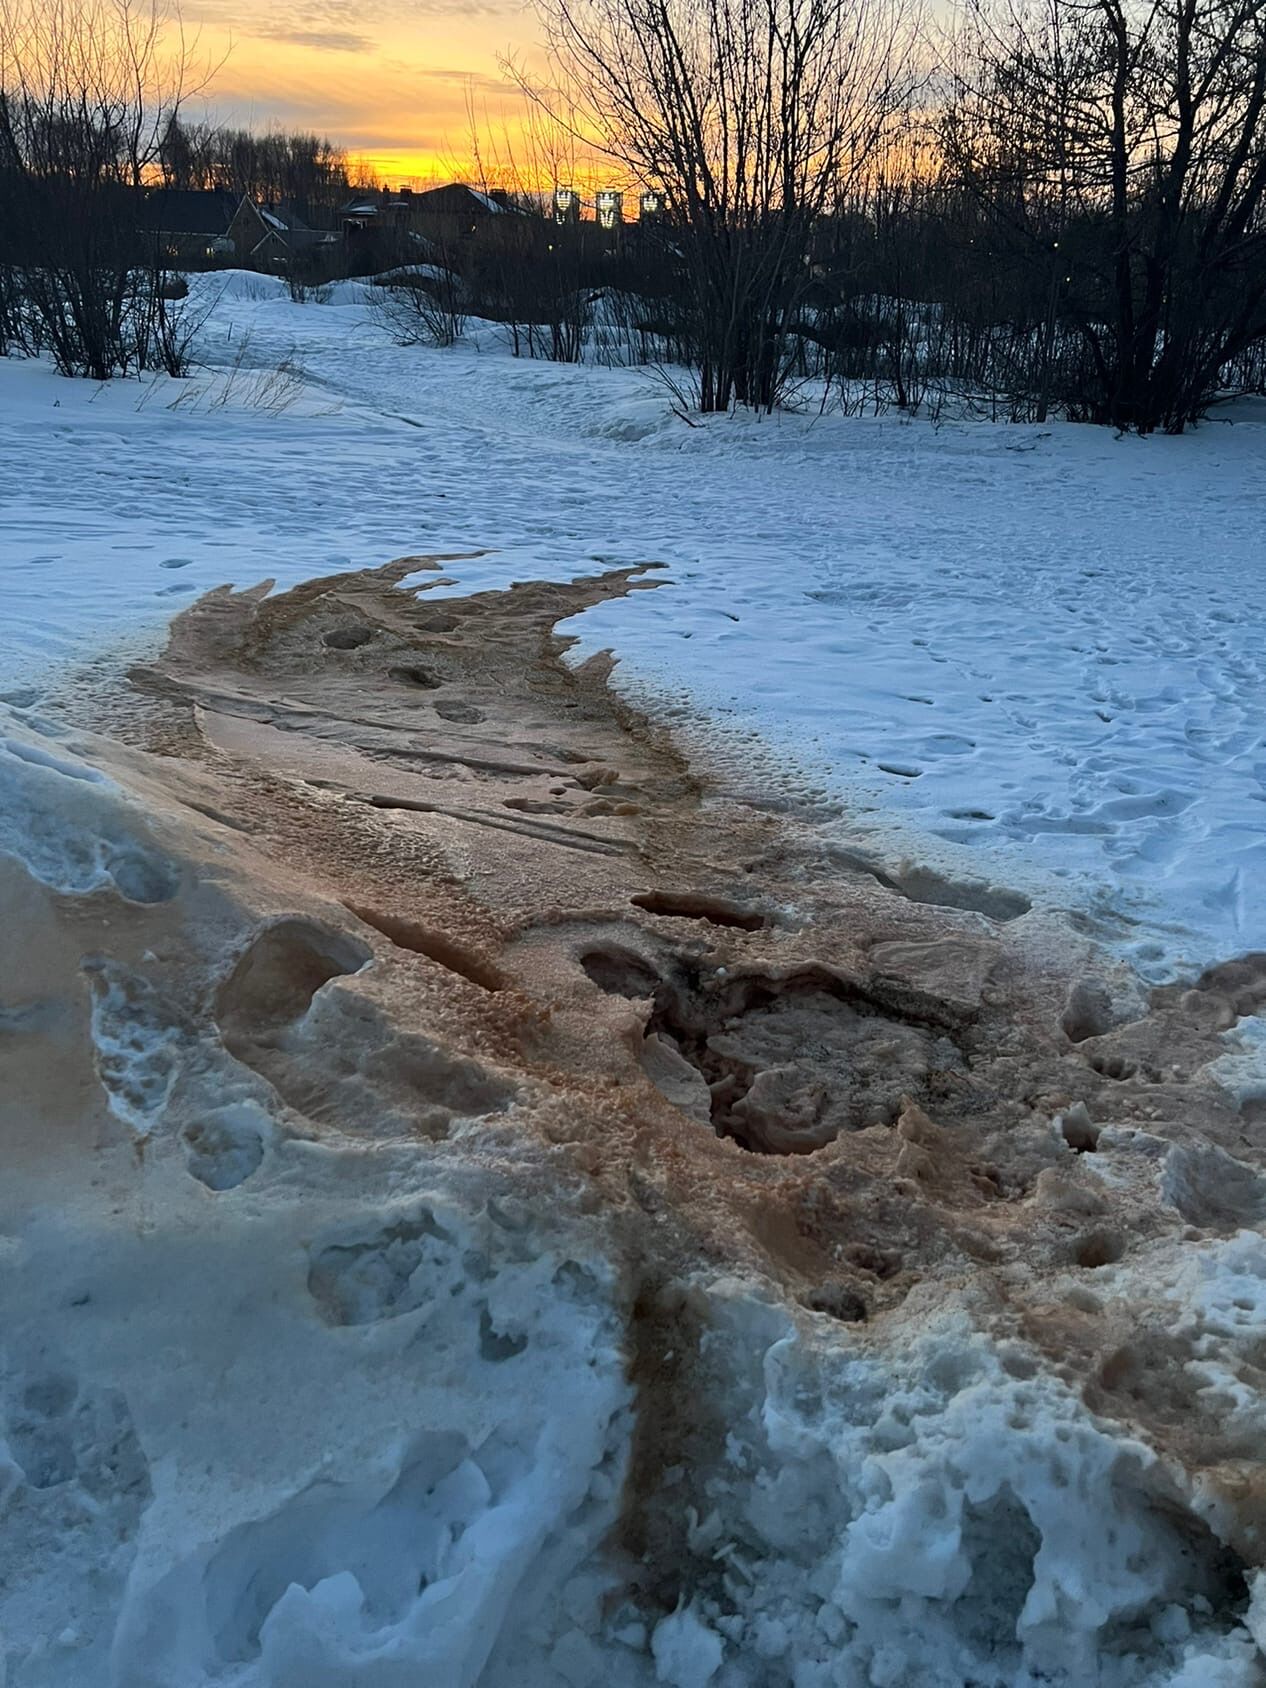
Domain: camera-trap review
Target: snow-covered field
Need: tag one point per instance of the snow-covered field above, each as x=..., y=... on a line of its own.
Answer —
x=1026, y=656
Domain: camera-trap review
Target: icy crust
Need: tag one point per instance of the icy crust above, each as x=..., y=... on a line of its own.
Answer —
x=69, y=825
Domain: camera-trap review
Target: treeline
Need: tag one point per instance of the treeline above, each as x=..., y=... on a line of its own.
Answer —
x=305, y=170
x=91, y=121
x=1063, y=211
x=1067, y=209
x=86, y=93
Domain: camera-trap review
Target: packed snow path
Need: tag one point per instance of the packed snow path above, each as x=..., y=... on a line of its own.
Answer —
x=1028, y=656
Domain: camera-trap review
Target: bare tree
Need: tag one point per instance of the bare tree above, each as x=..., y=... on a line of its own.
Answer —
x=424, y=303
x=752, y=118
x=1121, y=144
x=308, y=171
x=523, y=269
x=88, y=90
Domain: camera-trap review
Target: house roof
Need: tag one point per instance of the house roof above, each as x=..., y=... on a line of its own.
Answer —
x=286, y=223
x=456, y=197
x=486, y=199
x=189, y=210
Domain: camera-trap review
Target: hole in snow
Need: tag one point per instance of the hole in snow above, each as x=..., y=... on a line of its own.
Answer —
x=224, y=1149
x=347, y=638
x=435, y=621
x=838, y=1301
x=415, y=676
x=143, y=878
x=1088, y=1011
x=1098, y=1248
x=493, y=1345
x=788, y=1063
x=1113, y=1065
x=620, y=972
x=1001, y=1544
x=278, y=975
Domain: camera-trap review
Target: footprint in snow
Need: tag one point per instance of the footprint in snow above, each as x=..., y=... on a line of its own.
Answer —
x=175, y=562
x=172, y=591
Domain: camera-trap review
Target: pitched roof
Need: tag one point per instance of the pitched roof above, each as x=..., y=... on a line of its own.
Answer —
x=188, y=210
x=456, y=197
x=289, y=227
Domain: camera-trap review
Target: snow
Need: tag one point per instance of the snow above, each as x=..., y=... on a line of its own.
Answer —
x=383, y=1520
x=1021, y=656
x=1000, y=663
x=687, y=1653
x=336, y=1412
x=71, y=827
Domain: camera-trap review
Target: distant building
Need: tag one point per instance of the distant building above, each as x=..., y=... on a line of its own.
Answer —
x=610, y=208
x=651, y=206
x=199, y=226
x=410, y=209
x=457, y=200
x=566, y=205
x=288, y=235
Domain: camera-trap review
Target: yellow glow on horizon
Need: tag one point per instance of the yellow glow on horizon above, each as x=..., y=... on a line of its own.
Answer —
x=410, y=169
x=395, y=91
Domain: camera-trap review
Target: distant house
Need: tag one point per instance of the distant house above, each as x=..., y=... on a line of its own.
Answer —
x=409, y=209
x=198, y=227
x=372, y=210
x=192, y=226
x=458, y=200
x=288, y=236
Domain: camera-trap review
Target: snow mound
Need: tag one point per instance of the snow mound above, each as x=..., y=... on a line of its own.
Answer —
x=936, y=1510
x=307, y=1386
x=239, y=286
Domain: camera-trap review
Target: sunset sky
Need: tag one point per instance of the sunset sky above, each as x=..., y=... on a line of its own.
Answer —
x=387, y=79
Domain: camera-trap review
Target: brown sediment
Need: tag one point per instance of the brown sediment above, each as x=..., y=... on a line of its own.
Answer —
x=748, y=1051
